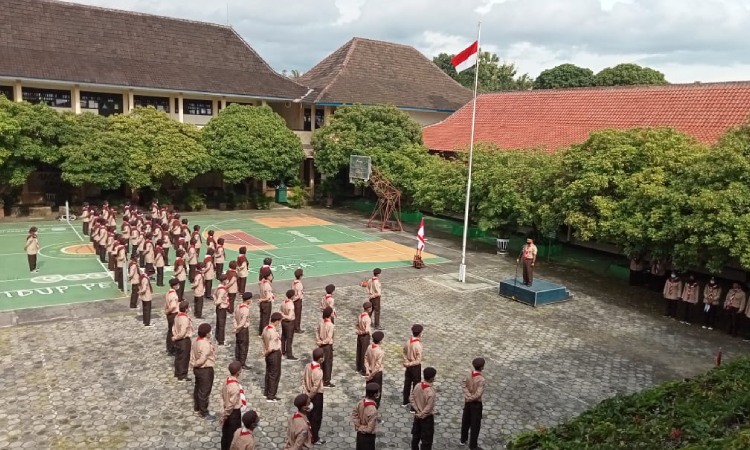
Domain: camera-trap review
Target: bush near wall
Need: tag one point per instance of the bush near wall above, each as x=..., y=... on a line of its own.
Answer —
x=711, y=411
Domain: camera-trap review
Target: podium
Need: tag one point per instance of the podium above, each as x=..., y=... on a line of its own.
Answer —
x=541, y=292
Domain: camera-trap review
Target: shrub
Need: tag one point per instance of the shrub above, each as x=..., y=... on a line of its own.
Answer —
x=298, y=197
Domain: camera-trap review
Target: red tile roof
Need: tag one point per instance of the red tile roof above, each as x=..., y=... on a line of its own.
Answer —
x=555, y=119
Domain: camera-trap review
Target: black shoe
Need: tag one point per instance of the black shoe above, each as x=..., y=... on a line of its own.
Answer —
x=208, y=416
x=292, y=358
x=299, y=331
x=245, y=367
x=329, y=385
x=185, y=379
x=319, y=442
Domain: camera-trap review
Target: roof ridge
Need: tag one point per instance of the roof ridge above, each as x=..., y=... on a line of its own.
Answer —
x=668, y=86
x=380, y=41
x=70, y=3
x=340, y=71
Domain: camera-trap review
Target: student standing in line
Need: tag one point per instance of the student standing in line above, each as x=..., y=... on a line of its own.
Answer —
x=171, y=308
x=374, y=362
x=232, y=401
x=312, y=385
x=159, y=263
x=374, y=292
x=199, y=290
x=243, y=437
x=328, y=301
x=324, y=340
x=202, y=359
x=180, y=272
x=32, y=249
x=85, y=217
x=198, y=239
x=221, y=301
x=272, y=353
x=365, y=418
x=209, y=271
x=241, y=320
x=734, y=306
x=471, y=421
x=363, y=337
x=266, y=299
x=423, y=403
x=711, y=301
x=266, y=265
x=219, y=256
x=232, y=284
x=182, y=332
x=134, y=277
x=243, y=266
x=145, y=293
x=287, y=326
x=192, y=259
x=299, y=295
x=412, y=361
x=298, y=436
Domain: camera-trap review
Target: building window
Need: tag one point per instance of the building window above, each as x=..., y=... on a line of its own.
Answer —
x=50, y=97
x=318, y=119
x=239, y=103
x=198, y=107
x=104, y=104
x=7, y=91
x=160, y=103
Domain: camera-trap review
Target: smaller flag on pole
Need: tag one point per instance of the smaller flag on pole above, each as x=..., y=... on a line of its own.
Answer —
x=467, y=58
x=420, y=237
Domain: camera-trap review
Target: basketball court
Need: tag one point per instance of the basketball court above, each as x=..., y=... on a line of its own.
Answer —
x=69, y=272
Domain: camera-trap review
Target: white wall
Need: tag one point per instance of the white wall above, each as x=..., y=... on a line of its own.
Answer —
x=425, y=118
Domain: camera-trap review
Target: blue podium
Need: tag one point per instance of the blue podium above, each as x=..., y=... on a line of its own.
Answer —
x=541, y=292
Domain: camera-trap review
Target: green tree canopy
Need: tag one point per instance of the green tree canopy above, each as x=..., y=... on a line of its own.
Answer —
x=246, y=142
x=628, y=75
x=494, y=76
x=564, y=76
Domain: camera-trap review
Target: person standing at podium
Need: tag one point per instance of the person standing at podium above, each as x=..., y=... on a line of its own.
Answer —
x=528, y=259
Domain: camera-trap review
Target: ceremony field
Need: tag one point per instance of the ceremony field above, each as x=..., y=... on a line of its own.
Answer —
x=69, y=272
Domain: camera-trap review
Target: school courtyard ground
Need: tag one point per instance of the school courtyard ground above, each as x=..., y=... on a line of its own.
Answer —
x=80, y=371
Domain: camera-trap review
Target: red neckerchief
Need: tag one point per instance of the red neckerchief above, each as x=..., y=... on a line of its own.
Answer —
x=326, y=320
x=413, y=340
x=181, y=314
x=363, y=314
x=295, y=282
x=374, y=278
x=475, y=374
x=231, y=380
x=208, y=257
x=243, y=305
x=221, y=286
x=245, y=432
x=374, y=345
x=424, y=386
x=242, y=259
x=314, y=365
x=367, y=403
x=329, y=296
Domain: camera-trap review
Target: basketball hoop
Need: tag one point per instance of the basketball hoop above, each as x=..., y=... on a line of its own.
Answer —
x=360, y=168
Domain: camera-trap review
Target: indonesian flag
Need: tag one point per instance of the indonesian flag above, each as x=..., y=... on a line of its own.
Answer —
x=420, y=236
x=467, y=58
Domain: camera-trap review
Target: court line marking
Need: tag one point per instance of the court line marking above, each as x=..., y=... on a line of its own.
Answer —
x=106, y=269
x=248, y=243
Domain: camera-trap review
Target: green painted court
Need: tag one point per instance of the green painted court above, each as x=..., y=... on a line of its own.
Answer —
x=70, y=273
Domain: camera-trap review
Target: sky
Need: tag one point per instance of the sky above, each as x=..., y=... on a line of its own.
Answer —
x=687, y=40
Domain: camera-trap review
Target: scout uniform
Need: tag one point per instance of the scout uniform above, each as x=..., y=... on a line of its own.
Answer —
x=192, y=260
x=202, y=359
x=102, y=240
x=175, y=232
x=373, y=296
x=165, y=246
x=299, y=436
x=671, y=292
x=145, y=293
x=264, y=304
x=125, y=230
x=413, y=364
x=374, y=366
x=690, y=296
x=242, y=272
x=182, y=331
x=287, y=328
x=209, y=272
x=109, y=246
x=198, y=240
x=327, y=302
x=135, y=237
x=32, y=249
x=233, y=401
x=734, y=305
x=221, y=301
x=199, y=291
x=219, y=258
x=231, y=288
x=363, y=340
x=312, y=385
x=181, y=274
x=159, y=264
x=142, y=249
x=365, y=419
x=134, y=277
x=241, y=320
x=85, y=217
x=299, y=295
x=120, y=258
x=528, y=259
x=423, y=401
x=264, y=266
x=711, y=300
x=243, y=440
x=171, y=308
x=471, y=421
x=324, y=340
x=210, y=241
x=272, y=353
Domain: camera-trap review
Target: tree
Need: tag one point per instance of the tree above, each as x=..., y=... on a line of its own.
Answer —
x=564, y=76
x=493, y=75
x=628, y=75
x=246, y=142
x=383, y=132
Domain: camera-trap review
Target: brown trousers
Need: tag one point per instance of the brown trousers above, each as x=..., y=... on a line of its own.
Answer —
x=375, y=313
x=32, y=262
x=528, y=271
x=297, y=316
x=363, y=341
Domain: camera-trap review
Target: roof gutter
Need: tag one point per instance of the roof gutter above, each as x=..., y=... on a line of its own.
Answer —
x=405, y=108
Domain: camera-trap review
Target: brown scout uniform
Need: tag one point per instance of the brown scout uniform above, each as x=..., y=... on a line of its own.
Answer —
x=159, y=264
x=145, y=293
x=202, y=358
x=182, y=331
x=373, y=295
x=735, y=305
x=192, y=260
x=299, y=295
x=324, y=340
x=528, y=258
x=471, y=422
x=423, y=401
x=264, y=305
x=672, y=290
x=181, y=274
x=287, y=327
x=209, y=273
x=171, y=308
x=241, y=320
x=413, y=364
x=272, y=353
x=134, y=277
x=32, y=249
x=299, y=436
x=231, y=287
x=312, y=385
x=243, y=270
x=221, y=301
x=243, y=440
x=199, y=291
x=363, y=340
x=219, y=258
x=231, y=410
x=374, y=367
x=365, y=417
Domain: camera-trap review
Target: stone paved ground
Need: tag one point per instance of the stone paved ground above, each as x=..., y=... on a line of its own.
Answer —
x=99, y=380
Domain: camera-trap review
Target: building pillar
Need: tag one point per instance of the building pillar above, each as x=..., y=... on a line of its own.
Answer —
x=180, y=114
x=76, y=99
x=301, y=117
x=312, y=117
x=17, y=92
x=263, y=103
x=311, y=181
x=223, y=102
x=131, y=101
x=214, y=107
x=326, y=115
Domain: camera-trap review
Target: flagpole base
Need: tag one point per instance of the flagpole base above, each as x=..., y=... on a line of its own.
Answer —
x=462, y=273
x=417, y=262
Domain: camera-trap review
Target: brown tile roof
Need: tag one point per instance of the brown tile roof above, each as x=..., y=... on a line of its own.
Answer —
x=51, y=40
x=369, y=72
x=554, y=119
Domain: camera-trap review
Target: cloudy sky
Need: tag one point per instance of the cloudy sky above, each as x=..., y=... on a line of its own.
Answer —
x=688, y=40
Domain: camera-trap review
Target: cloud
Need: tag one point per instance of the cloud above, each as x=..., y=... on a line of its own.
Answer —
x=686, y=39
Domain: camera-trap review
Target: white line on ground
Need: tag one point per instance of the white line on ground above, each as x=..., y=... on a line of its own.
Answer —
x=106, y=269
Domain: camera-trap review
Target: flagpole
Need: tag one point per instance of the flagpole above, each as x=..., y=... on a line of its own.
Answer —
x=462, y=267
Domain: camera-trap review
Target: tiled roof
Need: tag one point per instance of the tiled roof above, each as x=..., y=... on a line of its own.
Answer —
x=554, y=119
x=51, y=40
x=370, y=72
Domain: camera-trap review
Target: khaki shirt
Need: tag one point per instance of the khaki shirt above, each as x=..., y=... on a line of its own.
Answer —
x=198, y=239
x=529, y=252
x=712, y=294
x=241, y=317
x=413, y=352
x=219, y=256
x=199, y=284
x=145, y=291
x=179, y=269
x=32, y=245
x=120, y=252
x=324, y=333
x=171, y=302
x=265, y=266
x=125, y=230
x=312, y=379
x=221, y=297
x=691, y=292
x=363, y=324
x=243, y=440
x=85, y=215
x=202, y=354
x=210, y=243
x=299, y=293
x=365, y=416
x=209, y=273
x=134, y=274
x=271, y=340
x=735, y=299
x=183, y=327
x=373, y=288
x=266, y=292
x=192, y=255
x=373, y=361
x=672, y=289
x=243, y=266
x=135, y=236
x=231, y=281
x=159, y=258
x=299, y=436
x=287, y=310
x=148, y=249
x=327, y=302
x=230, y=397
x=422, y=399
x=474, y=387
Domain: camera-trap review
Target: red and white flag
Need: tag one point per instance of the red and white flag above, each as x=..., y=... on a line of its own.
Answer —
x=420, y=236
x=467, y=58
